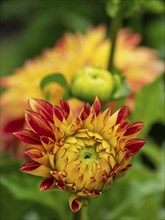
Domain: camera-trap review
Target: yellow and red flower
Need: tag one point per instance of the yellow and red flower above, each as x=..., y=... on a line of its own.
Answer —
x=139, y=65
x=81, y=154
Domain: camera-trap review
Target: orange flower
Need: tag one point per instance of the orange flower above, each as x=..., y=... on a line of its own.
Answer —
x=83, y=154
x=73, y=52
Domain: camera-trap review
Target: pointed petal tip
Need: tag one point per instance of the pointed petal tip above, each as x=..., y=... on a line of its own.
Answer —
x=134, y=128
x=29, y=166
x=46, y=184
x=134, y=145
x=97, y=105
x=122, y=114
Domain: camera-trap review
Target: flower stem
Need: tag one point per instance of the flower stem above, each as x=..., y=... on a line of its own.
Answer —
x=82, y=214
x=116, y=23
x=76, y=216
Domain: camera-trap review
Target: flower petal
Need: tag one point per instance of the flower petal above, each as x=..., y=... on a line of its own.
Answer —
x=122, y=114
x=86, y=111
x=65, y=107
x=28, y=137
x=97, y=105
x=36, y=168
x=134, y=128
x=134, y=145
x=47, y=183
x=38, y=124
x=75, y=203
x=42, y=107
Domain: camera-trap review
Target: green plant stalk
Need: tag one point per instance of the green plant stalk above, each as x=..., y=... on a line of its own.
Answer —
x=76, y=216
x=116, y=23
x=82, y=214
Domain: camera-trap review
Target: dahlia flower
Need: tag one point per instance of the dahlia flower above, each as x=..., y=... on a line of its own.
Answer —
x=139, y=65
x=81, y=154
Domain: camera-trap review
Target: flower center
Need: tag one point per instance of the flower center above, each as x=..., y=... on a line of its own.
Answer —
x=88, y=154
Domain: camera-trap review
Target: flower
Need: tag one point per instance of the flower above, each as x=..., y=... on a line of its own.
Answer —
x=139, y=65
x=81, y=154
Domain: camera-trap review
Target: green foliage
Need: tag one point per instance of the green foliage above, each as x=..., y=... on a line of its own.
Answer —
x=139, y=194
x=149, y=105
x=129, y=8
x=24, y=189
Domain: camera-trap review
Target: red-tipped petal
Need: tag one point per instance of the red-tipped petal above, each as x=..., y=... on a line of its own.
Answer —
x=42, y=107
x=29, y=166
x=46, y=184
x=97, y=105
x=86, y=111
x=123, y=126
x=59, y=113
x=38, y=124
x=65, y=107
x=75, y=203
x=123, y=114
x=34, y=153
x=135, y=145
x=28, y=137
x=134, y=128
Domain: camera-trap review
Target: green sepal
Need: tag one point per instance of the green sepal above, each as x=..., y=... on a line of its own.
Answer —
x=122, y=89
x=60, y=80
x=54, y=78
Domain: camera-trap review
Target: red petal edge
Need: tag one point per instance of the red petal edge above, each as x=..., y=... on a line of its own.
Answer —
x=29, y=166
x=46, y=184
x=135, y=145
x=65, y=107
x=97, y=105
x=123, y=114
x=134, y=128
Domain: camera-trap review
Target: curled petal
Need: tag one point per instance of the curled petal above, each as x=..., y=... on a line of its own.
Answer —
x=134, y=145
x=28, y=137
x=65, y=107
x=29, y=166
x=34, y=153
x=59, y=113
x=36, y=168
x=97, y=105
x=75, y=203
x=134, y=128
x=46, y=183
x=123, y=126
x=47, y=143
x=42, y=107
x=86, y=111
x=38, y=124
x=122, y=114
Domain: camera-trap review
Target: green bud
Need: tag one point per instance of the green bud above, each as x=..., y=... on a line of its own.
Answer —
x=90, y=82
x=117, y=81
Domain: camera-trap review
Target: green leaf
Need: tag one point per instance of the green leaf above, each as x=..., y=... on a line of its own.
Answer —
x=26, y=187
x=149, y=105
x=54, y=78
x=129, y=8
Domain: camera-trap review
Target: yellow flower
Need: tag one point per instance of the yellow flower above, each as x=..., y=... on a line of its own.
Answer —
x=80, y=154
x=73, y=52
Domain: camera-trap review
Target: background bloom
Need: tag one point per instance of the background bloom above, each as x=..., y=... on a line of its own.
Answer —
x=82, y=154
x=139, y=65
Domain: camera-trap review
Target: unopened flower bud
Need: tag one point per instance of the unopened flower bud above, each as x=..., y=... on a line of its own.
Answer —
x=90, y=82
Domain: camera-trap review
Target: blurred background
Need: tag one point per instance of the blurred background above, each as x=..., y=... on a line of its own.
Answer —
x=30, y=26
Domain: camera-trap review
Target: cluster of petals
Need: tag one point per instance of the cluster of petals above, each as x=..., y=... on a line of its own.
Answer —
x=81, y=154
x=140, y=65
